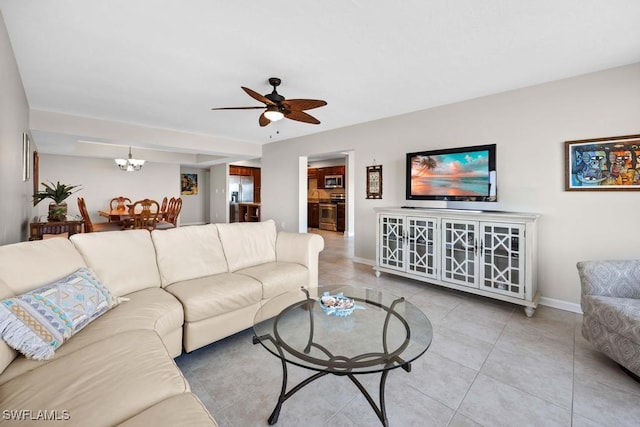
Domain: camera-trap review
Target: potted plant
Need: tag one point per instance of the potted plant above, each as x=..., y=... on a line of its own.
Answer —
x=58, y=193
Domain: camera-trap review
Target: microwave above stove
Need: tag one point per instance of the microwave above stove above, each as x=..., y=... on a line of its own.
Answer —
x=333, y=181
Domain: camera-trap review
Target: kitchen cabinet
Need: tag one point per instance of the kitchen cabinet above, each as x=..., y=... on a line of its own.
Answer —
x=313, y=215
x=341, y=217
x=482, y=252
x=320, y=173
x=248, y=212
x=312, y=173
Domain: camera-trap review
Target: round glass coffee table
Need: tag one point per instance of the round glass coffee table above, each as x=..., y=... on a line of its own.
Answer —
x=377, y=333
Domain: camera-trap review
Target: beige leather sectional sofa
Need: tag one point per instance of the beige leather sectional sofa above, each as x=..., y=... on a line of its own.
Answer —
x=184, y=288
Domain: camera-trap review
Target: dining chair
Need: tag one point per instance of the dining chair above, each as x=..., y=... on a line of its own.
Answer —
x=90, y=227
x=145, y=214
x=163, y=207
x=171, y=216
x=118, y=203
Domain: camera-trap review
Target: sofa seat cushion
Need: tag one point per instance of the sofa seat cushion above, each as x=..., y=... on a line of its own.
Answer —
x=278, y=277
x=181, y=410
x=619, y=315
x=150, y=309
x=214, y=295
x=105, y=383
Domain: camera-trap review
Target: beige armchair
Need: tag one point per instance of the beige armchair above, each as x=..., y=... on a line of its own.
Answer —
x=610, y=302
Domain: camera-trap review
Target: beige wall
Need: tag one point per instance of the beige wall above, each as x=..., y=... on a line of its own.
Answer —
x=101, y=181
x=529, y=127
x=16, y=207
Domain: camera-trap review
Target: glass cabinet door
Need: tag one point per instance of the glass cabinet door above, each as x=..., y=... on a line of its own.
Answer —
x=502, y=258
x=391, y=248
x=459, y=249
x=421, y=242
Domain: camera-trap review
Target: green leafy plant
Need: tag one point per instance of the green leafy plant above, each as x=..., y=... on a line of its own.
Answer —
x=56, y=192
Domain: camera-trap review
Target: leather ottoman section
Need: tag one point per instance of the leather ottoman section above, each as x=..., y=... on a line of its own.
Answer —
x=150, y=309
x=215, y=295
x=182, y=410
x=278, y=277
x=102, y=384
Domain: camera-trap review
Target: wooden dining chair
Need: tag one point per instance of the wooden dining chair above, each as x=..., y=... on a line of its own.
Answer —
x=171, y=216
x=119, y=203
x=145, y=214
x=90, y=227
x=163, y=207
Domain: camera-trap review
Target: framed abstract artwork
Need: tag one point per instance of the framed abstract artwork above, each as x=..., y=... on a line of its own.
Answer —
x=603, y=164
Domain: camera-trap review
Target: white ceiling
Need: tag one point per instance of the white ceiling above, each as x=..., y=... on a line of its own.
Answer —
x=164, y=64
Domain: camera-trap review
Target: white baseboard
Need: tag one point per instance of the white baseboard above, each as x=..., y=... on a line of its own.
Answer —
x=363, y=261
x=561, y=305
x=549, y=302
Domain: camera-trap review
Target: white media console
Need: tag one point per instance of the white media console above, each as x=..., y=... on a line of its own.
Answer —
x=489, y=253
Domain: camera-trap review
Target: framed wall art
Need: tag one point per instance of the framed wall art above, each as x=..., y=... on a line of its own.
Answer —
x=188, y=184
x=603, y=164
x=374, y=182
x=36, y=175
x=26, y=156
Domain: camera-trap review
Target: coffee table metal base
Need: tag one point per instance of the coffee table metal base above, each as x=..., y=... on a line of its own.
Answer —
x=379, y=409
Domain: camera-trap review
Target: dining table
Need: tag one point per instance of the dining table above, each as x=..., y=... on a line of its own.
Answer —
x=119, y=215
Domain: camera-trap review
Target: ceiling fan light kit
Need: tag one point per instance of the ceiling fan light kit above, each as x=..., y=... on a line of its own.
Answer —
x=277, y=106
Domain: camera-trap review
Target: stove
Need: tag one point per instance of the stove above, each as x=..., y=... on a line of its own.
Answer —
x=329, y=212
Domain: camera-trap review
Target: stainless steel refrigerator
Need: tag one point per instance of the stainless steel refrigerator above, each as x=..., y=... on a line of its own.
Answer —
x=240, y=189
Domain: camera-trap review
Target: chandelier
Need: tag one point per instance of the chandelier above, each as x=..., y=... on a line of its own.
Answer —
x=129, y=164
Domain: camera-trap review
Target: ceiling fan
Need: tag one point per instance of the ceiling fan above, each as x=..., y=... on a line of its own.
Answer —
x=278, y=107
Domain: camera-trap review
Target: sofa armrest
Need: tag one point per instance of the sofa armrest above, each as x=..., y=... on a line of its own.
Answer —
x=300, y=248
x=610, y=278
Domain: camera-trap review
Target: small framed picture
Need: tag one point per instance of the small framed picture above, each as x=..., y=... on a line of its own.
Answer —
x=374, y=182
x=188, y=184
x=603, y=164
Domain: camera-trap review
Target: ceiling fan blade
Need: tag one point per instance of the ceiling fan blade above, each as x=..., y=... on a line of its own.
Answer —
x=255, y=95
x=237, y=108
x=263, y=120
x=303, y=104
x=301, y=116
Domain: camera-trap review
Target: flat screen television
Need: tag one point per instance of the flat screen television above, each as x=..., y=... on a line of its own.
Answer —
x=453, y=174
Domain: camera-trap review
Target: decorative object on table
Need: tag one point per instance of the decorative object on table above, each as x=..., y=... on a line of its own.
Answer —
x=58, y=193
x=277, y=107
x=130, y=164
x=26, y=155
x=337, y=305
x=188, y=184
x=603, y=164
x=38, y=322
x=374, y=182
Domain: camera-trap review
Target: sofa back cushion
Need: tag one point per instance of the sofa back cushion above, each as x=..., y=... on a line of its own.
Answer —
x=124, y=261
x=28, y=265
x=247, y=244
x=186, y=253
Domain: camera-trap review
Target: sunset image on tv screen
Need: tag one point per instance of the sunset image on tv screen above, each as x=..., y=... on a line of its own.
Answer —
x=454, y=174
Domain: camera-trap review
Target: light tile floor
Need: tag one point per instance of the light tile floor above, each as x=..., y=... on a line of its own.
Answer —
x=488, y=365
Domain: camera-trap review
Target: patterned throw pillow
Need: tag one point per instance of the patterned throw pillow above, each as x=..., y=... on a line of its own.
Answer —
x=38, y=322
